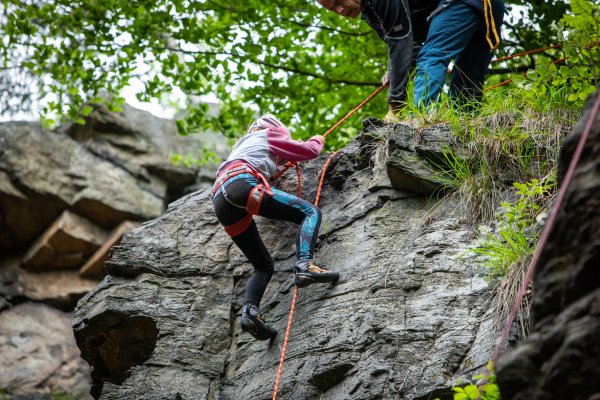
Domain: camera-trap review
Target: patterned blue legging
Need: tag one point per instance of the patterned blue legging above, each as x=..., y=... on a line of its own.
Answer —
x=281, y=206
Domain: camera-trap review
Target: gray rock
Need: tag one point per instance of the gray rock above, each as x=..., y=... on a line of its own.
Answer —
x=53, y=173
x=415, y=157
x=38, y=353
x=61, y=289
x=141, y=143
x=401, y=320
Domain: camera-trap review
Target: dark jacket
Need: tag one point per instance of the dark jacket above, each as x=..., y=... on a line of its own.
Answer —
x=389, y=17
x=478, y=4
x=391, y=20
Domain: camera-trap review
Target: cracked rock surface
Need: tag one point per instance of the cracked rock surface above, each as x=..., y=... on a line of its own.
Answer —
x=402, y=319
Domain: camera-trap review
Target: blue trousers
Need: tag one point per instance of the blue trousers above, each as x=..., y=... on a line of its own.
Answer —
x=457, y=33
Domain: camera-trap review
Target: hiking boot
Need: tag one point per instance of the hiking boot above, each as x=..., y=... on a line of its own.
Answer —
x=310, y=273
x=252, y=323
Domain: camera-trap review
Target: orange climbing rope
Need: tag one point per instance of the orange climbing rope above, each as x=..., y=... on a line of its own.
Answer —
x=323, y=177
x=321, y=180
x=285, y=343
x=506, y=82
x=535, y=51
x=525, y=53
x=355, y=109
x=299, y=179
x=554, y=46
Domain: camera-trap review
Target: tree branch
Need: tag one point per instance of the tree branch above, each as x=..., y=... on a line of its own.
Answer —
x=286, y=68
x=500, y=71
x=327, y=28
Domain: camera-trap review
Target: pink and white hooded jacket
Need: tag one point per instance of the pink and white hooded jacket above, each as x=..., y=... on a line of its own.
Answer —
x=268, y=145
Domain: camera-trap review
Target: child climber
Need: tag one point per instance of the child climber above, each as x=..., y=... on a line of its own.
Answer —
x=241, y=191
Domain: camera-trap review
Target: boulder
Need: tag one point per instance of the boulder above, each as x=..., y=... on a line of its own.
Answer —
x=66, y=244
x=38, y=354
x=94, y=266
x=61, y=289
x=47, y=173
x=415, y=158
x=141, y=143
x=400, y=322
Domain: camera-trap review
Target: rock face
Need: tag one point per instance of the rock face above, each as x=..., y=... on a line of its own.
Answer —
x=65, y=198
x=559, y=360
x=36, y=338
x=404, y=317
x=415, y=156
x=114, y=168
x=50, y=173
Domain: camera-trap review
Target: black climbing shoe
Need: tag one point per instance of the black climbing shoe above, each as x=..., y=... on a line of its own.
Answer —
x=312, y=273
x=253, y=324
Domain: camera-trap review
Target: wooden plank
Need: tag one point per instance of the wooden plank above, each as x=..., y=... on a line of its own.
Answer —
x=66, y=244
x=94, y=267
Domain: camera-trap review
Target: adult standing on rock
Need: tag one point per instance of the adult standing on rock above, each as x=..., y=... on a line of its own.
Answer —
x=402, y=25
x=466, y=31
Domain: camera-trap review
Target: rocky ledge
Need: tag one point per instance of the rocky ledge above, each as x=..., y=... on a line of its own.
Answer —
x=406, y=315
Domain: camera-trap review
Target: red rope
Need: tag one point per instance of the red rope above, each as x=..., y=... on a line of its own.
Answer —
x=547, y=229
x=323, y=177
x=285, y=343
x=506, y=82
x=293, y=306
x=554, y=46
x=299, y=180
x=355, y=109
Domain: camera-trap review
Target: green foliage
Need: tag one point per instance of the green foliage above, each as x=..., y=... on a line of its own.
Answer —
x=472, y=179
x=542, y=14
x=495, y=147
x=291, y=58
x=478, y=390
x=480, y=387
x=579, y=75
x=515, y=237
x=205, y=156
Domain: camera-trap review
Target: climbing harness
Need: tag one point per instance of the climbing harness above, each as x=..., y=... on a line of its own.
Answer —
x=254, y=199
x=239, y=169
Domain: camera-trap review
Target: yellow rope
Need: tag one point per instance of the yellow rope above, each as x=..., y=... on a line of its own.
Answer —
x=490, y=24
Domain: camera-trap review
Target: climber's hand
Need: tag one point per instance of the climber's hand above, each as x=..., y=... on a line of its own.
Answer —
x=385, y=79
x=320, y=138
